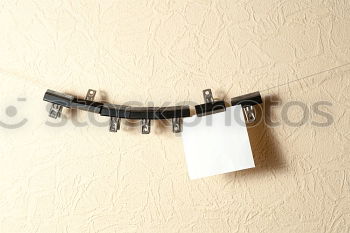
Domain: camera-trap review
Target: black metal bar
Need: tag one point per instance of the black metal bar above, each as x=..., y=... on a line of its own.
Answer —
x=247, y=100
x=210, y=108
x=122, y=111
x=70, y=101
x=155, y=113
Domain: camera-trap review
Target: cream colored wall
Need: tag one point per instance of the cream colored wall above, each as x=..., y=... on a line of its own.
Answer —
x=85, y=179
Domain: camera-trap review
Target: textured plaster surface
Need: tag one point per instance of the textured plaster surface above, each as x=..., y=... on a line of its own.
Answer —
x=80, y=178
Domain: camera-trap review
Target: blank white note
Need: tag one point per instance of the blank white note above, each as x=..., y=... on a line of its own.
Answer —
x=216, y=143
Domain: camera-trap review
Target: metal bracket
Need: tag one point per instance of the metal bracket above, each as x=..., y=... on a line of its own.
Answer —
x=90, y=95
x=208, y=96
x=114, y=124
x=177, y=126
x=248, y=103
x=145, y=126
x=55, y=111
x=249, y=113
x=211, y=105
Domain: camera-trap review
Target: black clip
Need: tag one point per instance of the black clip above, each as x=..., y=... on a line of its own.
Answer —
x=210, y=106
x=247, y=102
x=60, y=100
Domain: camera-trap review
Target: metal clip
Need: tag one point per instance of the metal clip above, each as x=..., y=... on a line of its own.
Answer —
x=177, y=126
x=90, y=95
x=249, y=113
x=55, y=111
x=145, y=126
x=114, y=124
x=208, y=96
x=210, y=106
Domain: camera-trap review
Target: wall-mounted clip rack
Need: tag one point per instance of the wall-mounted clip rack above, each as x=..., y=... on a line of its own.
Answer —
x=147, y=114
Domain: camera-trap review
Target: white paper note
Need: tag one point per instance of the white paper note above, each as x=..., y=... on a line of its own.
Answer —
x=216, y=143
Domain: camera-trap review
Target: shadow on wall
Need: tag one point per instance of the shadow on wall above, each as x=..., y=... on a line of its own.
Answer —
x=265, y=147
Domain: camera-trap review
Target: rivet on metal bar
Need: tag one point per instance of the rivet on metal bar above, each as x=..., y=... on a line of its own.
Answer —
x=145, y=126
x=55, y=111
x=208, y=96
x=177, y=127
x=114, y=124
x=90, y=95
x=249, y=113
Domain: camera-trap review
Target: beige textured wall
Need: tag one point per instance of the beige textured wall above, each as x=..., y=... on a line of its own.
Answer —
x=83, y=179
